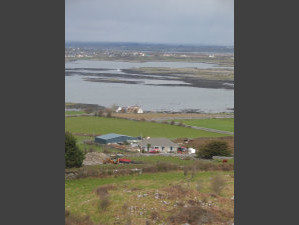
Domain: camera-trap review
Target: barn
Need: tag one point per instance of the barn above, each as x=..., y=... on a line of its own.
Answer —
x=113, y=138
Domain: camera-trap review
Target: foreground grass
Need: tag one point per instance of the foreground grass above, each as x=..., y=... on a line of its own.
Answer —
x=226, y=124
x=101, y=125
x=81, y=200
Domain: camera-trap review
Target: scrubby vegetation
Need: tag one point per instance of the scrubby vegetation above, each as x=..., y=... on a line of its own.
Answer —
x=152, y=198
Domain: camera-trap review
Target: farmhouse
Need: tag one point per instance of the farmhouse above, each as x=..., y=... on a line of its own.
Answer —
x=134, y=109
x=159, y=144
x=119, y=109
x=113, y=138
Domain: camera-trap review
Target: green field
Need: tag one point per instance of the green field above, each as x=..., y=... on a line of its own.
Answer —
x=74, y=112
x=218, y=124
x=138, y=191
x=102, y=125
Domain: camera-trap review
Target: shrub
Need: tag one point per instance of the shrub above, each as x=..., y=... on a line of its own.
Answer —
x=193, y=172
x=176, y=192
x=108, y=113
x=103, y=190
x=100, y=113
x=88, y=110
x=104, y=202
x=192, y=215
x=151, y=169
x=71, y=219
x=172, y=122
x=213, y=148
x=199, y=185
x=73, y=155
x=155, y=215
x=164, y=167
x=186, y=171
x=217, y=184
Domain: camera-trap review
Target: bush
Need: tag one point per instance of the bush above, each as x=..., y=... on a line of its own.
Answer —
x=73, y=155
x=88, y=110
x=214, y=148
x=103, y=190
x=104, y=202
x=192, y=215
x=217, y=184
x=186, y=169
x=164, y=167
x=71, y=219
x=100, y=113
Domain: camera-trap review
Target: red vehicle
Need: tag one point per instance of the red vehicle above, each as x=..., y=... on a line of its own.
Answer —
x=116, y=159
x=124, y=160
x=153, y=151
x=182, y=150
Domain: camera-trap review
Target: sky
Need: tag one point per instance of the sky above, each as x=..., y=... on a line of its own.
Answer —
x=200, y=22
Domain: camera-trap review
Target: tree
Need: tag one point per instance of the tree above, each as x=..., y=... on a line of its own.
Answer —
x=73, y=155
x=213, y=148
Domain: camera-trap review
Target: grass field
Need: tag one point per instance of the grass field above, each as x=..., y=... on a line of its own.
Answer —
x=73, y=112
x=226, y=124
x=135, y=198
x=101, y=125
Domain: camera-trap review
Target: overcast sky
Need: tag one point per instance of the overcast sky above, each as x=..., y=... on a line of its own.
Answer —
x=156, y=21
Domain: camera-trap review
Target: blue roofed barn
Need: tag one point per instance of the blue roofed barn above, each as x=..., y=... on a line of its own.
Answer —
x=113, y=138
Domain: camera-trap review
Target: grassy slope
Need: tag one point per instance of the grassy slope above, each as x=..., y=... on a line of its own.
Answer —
x=100, y=125
x=81, y=200
x=218, y=124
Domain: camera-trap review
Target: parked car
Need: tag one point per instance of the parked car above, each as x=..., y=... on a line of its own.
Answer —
x=153, y=151
x=182, y=150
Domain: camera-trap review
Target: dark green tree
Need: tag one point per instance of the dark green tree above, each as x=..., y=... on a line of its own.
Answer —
x=73, y=155
x=213, y=148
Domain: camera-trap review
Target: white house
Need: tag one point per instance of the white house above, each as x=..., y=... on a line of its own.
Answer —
x=160, y=144
x=118, y=109
x=134, y=109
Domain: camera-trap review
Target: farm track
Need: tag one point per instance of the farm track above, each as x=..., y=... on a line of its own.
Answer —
x=212, y=130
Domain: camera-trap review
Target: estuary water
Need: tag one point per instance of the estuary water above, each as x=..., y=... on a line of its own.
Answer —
x=147, y=92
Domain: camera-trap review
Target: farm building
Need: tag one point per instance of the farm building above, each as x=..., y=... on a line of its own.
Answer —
x=134, y=109
x=113, y=138
x=158, y=144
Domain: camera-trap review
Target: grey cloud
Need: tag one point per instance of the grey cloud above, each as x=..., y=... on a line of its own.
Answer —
x=164, y=21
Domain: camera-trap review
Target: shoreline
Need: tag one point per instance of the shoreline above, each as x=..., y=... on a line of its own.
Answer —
x=69, y=106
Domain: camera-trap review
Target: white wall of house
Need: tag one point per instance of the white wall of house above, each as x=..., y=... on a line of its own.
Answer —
x=164, y=149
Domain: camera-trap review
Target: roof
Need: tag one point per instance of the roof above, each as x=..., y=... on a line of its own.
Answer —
x=158, y=142
x=110, y=136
